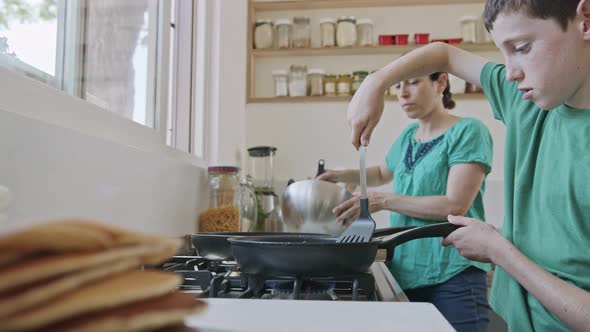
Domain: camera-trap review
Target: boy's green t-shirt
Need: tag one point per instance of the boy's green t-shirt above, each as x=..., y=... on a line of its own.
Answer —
x=547, y=197
x=422, y=169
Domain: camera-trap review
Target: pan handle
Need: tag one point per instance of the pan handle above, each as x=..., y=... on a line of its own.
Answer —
x=381, y=232
x=389, y=242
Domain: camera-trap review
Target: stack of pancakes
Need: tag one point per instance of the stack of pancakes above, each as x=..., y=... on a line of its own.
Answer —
x=80, y=276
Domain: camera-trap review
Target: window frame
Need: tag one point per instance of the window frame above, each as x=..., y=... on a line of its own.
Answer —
x=69, y=66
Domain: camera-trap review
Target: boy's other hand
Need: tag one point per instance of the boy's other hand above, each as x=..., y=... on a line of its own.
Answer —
x=477, y=240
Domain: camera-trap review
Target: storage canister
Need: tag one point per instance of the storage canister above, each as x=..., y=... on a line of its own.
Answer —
x=281, y=80
x=346, y=31
x=283, y=33
x=365, y=32
x=301, y=32
x=469, y=29
x=316, y=82
x=328, y=32
x=263, y=34
x=298, y=81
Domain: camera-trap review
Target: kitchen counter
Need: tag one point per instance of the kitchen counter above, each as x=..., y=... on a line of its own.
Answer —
x=257, y=315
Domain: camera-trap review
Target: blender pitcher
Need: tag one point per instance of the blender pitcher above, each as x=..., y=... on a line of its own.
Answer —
x=261, y=169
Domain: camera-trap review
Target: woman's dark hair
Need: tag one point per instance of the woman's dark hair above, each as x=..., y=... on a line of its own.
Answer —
x=447, y=98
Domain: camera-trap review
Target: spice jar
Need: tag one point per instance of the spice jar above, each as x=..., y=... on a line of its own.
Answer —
x=472, y=88
x=283, y=33
x=301, y=32
x=316, y=82
x=298, y=81
x=263, y=34
x=346, y=31
x=344, y=85
x=330, y=85
x=365, y=32
x=328, y=32
x=223, y=214
x=281, y=80
x=357, y=78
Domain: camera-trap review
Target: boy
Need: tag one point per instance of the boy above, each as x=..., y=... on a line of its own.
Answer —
x=542, y=94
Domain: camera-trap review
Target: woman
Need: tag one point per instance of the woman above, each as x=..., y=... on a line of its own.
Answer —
x=440, y=164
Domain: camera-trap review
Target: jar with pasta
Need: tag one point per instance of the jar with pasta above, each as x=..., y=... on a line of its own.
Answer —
x=223, y=214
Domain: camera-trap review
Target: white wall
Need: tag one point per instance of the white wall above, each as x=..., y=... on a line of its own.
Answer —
x=110, y=171
x=226, y=125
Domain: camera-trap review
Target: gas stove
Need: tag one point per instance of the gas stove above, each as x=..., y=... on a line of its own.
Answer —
x=223, y=279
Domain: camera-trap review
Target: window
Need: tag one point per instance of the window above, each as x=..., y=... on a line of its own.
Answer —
x=21, y=24
x=134, y=58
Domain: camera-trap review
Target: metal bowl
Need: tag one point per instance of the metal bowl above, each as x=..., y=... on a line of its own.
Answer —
x=307, y=206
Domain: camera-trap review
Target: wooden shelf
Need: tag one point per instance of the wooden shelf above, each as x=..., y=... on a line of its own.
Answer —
x=291, y=100
x=260, y=6
x=394, y=49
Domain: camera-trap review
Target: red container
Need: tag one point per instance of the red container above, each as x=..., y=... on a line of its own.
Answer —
x=455, y=40
x=421, y=38
x=385, y=39
x=400, y=39
x=439, y=40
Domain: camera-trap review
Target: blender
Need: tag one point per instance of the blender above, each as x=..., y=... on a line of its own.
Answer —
x=261, y=170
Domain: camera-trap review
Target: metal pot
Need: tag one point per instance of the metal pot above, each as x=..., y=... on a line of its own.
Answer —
x=307, y=206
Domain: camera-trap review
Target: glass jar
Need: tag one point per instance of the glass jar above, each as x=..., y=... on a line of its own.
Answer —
x=330, y=85
x=223, y=214
x=328, y=32
x=346, y=31
x=393, y=90
x=357, y=78
x=301, y=32
x=281, y=80
x=263, y=34
x=248, y=205
x=344, y=85
x=298, y=81
x=365, y=32
x=283, y=33
x=469, y=29
x=316, y=82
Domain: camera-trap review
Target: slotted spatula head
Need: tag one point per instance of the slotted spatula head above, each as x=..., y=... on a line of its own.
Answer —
x=361, y=230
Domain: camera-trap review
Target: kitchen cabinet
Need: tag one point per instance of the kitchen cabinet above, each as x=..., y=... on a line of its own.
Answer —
x=391, y=17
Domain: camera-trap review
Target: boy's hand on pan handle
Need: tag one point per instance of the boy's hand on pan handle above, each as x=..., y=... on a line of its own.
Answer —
x=477, y=240
x=365, y=109
x=350, y=210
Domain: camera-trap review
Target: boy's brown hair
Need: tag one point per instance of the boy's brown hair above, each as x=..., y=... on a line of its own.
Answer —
x=563, y=11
